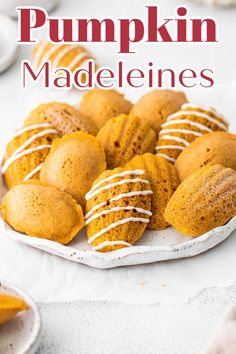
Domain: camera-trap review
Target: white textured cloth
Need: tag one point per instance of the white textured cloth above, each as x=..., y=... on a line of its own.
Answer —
x=224, y=339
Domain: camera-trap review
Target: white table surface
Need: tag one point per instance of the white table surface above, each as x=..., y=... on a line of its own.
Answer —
x=102, y=327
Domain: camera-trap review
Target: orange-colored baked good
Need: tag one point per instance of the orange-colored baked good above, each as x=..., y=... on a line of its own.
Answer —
x=210, y=149
x=123, y=137
x=157, y=105
x=26, y=152
x=10, y=306
x=64, y=117
x=74, y=162
x=163, y=180
x=118, y=209
x=183, y=127
x=42, y=211
x=101, y=105
x=70, y=56
x=203, y=201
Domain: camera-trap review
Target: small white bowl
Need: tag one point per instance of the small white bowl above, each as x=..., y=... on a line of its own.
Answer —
x=21, y=335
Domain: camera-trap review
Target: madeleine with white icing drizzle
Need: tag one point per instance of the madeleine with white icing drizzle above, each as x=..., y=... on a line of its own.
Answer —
x=118, y=209
x=71, y=56
x=186, y=125
x=26, y=151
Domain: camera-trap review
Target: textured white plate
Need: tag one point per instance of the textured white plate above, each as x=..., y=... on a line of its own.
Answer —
x=8, y=46
x=20, y=335
x=154, y=246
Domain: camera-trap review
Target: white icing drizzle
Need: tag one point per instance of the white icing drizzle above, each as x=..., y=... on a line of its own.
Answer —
x=33, y=172
x=116, y=175
x=21, y=154
x=188, y=122
x=39, y=53
x=197, y=114
x=171, y=159
x=174, y=147
x=33, y=138
x=77, y=59
x=118, y=197
x=61, y=54
x=175, y=138
x=28, y=128
x=131, y=194
x=96, y=207
x=90, y=194
x=51, y=51
x=107, y=211
x=182, y=131
x=110, y=243
x=208, y=109
x=115, y=224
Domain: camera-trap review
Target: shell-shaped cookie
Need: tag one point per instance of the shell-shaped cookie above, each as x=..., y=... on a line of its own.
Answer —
x=26, y=152
x=64, y=117
x=74, y=162
x=210, y=149
x=203, y=201
x=184, y=127
x=10, y=306
x=70, y=56
x=101, y=105
x=163, y=180
x=123, y=137
x=157, y=105
x=42, y=211
x=118, y=209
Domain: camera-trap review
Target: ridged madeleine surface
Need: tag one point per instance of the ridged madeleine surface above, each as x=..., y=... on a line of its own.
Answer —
x=74, y=162
x=101, y=105
x=157, y=105
x=210, y=149
x=203, y=201
x=64, y=117
x=163, y=180
x=124, y=137
x=119, y=195
x=41, y=211
x=186, y=125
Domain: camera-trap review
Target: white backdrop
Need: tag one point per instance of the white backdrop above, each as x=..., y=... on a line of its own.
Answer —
x=49, y=278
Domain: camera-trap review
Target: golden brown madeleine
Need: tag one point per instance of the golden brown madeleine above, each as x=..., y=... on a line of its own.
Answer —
x=210, y=149
x=101, y=105
x=42, y=211
x=74, y=162
x=10, y=306
x=64, y=117
x=118, y=209
x=26, y=152
x=157, y=105
x=123, y=137
x=69, y=56
x=183, y=127
x=203, y=201
x=163, y=180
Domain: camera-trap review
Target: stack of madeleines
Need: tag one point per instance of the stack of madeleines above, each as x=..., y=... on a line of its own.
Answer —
x=119, y=169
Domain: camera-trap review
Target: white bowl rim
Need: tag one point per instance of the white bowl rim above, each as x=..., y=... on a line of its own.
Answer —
x=35, y=334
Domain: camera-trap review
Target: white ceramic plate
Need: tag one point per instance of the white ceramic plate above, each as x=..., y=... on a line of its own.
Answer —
x=8, y=46
x=20, y=335
x=154, y=246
